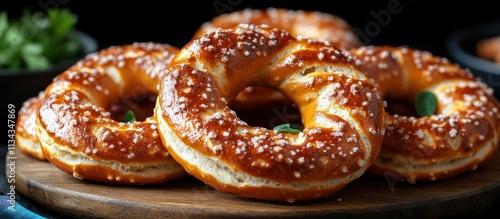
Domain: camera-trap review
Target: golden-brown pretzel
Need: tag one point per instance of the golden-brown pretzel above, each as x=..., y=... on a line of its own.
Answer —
x=77, y=129
x=462, y=133
x=489, y=49
x=341, y=111
x=26, y=139
x=299, y=23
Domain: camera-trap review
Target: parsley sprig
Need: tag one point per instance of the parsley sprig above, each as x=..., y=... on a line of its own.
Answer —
x=129, y=117
x=286, y=128
x=37, y=40
x=426, y=103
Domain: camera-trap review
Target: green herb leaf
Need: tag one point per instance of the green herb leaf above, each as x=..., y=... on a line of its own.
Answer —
x=37, y=40
x=4, y=23
x=426, y=103
x=286, y=128
x=32, y=55
x=62, y=21
x=129, y=117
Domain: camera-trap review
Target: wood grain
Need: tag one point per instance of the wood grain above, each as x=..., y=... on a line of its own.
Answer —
x=376, y=197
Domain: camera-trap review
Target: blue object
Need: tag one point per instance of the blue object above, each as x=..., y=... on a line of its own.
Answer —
x=9, y=208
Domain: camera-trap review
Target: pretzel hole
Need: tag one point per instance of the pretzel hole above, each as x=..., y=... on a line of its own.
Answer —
x=141, y=104
x=272, y=115
x=402, y=107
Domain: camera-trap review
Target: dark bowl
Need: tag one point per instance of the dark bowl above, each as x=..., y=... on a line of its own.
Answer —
x=461, y=45
x=19, y=85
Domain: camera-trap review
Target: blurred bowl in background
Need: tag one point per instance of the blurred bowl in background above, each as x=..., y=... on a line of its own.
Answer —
x=461, y=46
x=22, y=84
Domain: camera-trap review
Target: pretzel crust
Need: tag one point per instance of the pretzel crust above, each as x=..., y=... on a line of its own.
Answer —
x=26, y=139
x=462, y=133
x=341, y=111
x=77, y=132
x=299, y=23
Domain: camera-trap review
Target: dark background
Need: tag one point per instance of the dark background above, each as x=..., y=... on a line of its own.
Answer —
x=421, y=24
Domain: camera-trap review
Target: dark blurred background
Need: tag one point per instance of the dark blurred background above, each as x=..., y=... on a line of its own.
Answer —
x=418, y=23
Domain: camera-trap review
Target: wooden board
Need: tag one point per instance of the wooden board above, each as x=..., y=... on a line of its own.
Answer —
x=374, y=197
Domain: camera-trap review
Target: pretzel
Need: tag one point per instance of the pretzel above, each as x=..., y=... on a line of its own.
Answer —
x=299, y=23
x=489, y=49
x=462, y=133
x=26, y=139
x=341, y=111
x=78, y=126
